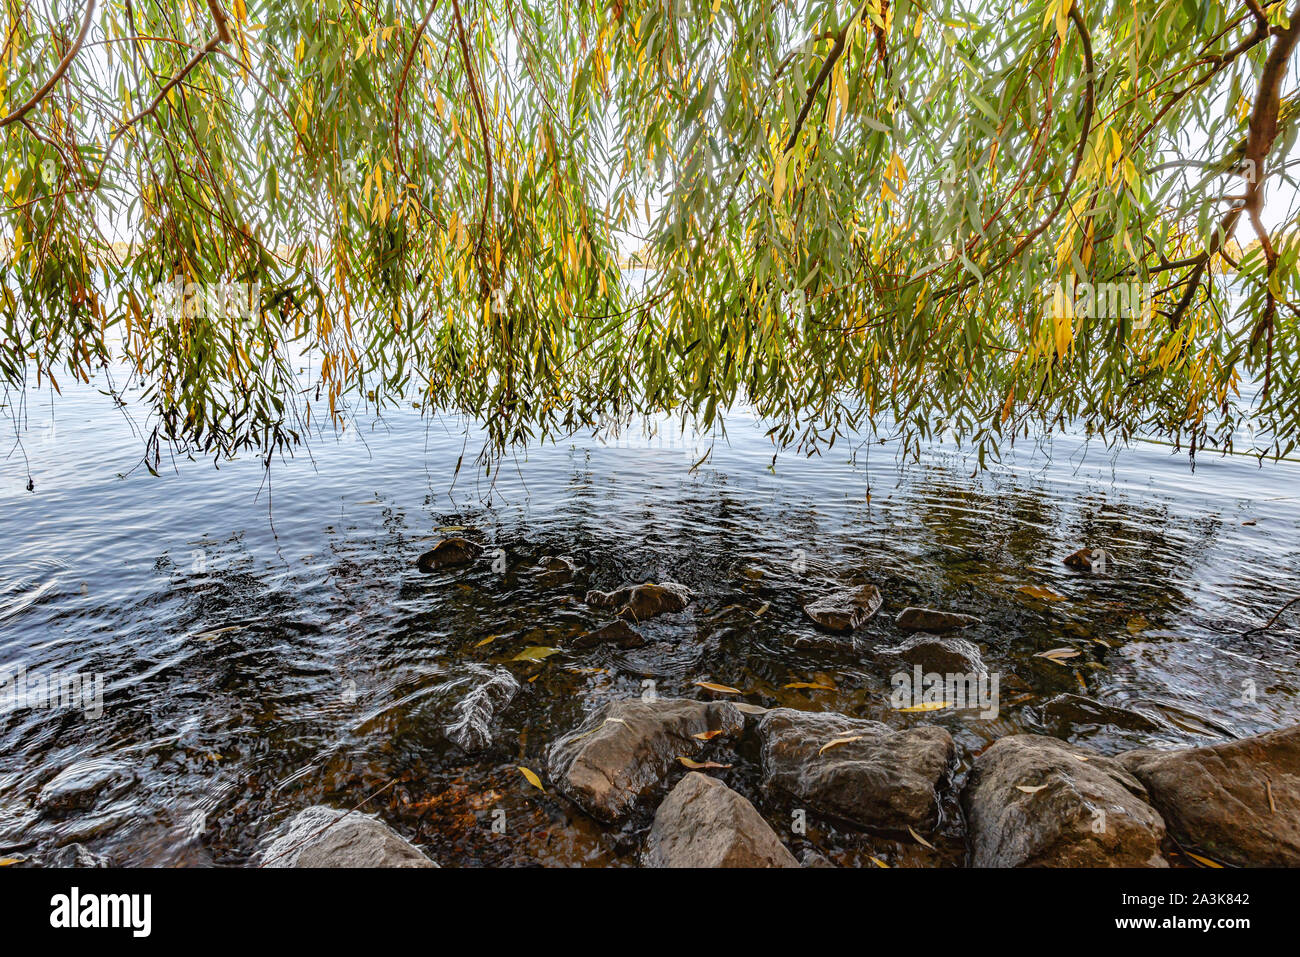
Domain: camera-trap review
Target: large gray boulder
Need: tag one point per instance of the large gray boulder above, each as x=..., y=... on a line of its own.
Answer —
x=703, y=823
x=322, y=836
x=625, y=748
x=1236, y=803
x=857, y=770
x=1034, y=801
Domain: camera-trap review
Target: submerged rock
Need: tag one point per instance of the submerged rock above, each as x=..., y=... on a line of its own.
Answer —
x=449, y=553
x=76, y=855
x=913, y=618
x=616, y=632
x=471, y=726
x=857, y=770
x=703, y=823
x=1236, y=803
x=845, y=609
x=322, y=836
x=639, y=602
x=1067, y=710
x=1080, y=560
x=80, y=785
x=556, y=570
x=624, y=748
x=1034, y=801
x=934, y=653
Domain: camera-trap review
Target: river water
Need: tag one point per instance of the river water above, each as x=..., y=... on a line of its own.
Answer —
x=266, y=642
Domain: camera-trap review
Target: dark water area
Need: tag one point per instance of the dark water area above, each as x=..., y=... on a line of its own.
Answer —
x=266, y=645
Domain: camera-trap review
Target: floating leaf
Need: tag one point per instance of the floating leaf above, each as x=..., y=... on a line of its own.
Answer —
x=921, y=840
x=878, y=862
x=1030, y=790
x=1058, y=654
x=813, y=685
x=532, y=777
x=836, y=742
x=720, y=689
x=926, y=706
x=698, y=765
x=536, y=653
x=1039, y=592
x=1203, y=861
x=707, y=735
x=751, y=708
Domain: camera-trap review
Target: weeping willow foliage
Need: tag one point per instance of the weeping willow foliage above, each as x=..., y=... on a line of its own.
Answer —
x=555, y=215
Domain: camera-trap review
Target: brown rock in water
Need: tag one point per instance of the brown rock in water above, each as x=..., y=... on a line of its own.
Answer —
x=1080, y=561
x=639, y=602
x=1065, y=711
x=625, y=748
x=1235, y=803
x=931, y=619
x=845, y=609
x=616, y=632
x=556, y=570
x=1034, y=801
x=448, y=553
x=935, y=653
x=703, y=823
x=876, y=777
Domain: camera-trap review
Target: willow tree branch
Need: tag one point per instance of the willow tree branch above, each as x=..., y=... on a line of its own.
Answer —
x=487, y=145
x=59, y=70
x=401, y=85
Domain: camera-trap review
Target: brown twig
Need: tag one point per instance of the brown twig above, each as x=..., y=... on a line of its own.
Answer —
x=59, y=70
x=1272, y=621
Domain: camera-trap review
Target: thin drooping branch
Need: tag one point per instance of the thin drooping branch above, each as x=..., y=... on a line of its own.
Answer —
x=486, y=285
x=59, y=70
x=401, y=85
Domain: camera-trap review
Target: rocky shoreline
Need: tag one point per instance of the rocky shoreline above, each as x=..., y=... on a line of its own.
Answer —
x=1026, y=800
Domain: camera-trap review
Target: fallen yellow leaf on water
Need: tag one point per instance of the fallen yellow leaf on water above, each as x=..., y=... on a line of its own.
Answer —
x=536, y=653
x=720, y=689
x=837, y=742
x=814, y=685
x=488, y=640
x=532, y=777
x=878, y=862
x=1203, y=861
x=1029, y=790
x=1137, y=624
x=707, y=735
x=1039, y=592
x=751, y=708
x=7, y=861
x=926, y=706
x=1058, y=654
x=921, y=840
x=697, y=765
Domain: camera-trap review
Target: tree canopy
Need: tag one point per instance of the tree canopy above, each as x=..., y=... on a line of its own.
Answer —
x=554, y=215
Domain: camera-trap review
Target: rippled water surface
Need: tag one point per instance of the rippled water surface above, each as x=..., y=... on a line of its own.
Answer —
x=267, y=643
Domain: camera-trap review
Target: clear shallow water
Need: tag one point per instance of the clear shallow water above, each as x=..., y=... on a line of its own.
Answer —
x=267, y=646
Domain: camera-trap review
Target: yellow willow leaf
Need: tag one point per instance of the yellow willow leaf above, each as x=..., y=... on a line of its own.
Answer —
x=720, y=689
x=707, y=735
x=1029, y=790
x=778, y=179
x=837, y=742
x=487, y=641
x=699, y=765
x=1039, y=592
x=921, y=840
x=7, y=861
x=875, y=860
x=1058, y=654
x=926, y=706
x=812, y=685
x=536, y=653
x=532, y=777
x=1203, y=861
